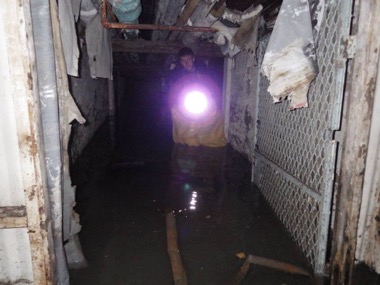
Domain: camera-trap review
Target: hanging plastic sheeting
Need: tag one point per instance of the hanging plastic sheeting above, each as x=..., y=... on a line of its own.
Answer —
x=289, y=62
x=98, y=40
x=127, y=11
x=67, y=21
x=68, y=112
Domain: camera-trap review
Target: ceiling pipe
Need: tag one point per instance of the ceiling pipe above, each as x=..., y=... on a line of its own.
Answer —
x=109, y=25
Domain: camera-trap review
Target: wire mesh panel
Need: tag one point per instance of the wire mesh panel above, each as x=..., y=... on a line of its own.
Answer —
x=295, y=151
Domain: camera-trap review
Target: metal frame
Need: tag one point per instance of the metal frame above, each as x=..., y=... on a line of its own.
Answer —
x=289, y=177
x=26, y=225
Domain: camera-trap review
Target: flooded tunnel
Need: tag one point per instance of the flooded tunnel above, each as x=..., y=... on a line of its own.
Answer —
x=219, y=215
x=99, y=185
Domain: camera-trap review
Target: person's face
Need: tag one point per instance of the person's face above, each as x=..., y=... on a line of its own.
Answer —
x=187, y=62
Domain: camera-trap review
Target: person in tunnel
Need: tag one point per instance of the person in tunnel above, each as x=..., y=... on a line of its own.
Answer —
x=198, y=131
x=187, y=64
x=195, y=103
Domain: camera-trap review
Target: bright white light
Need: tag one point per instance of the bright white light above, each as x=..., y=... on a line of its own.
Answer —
x=195, y=102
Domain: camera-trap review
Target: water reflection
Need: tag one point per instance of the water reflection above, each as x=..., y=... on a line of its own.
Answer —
x=196, y=172
x=193, y=201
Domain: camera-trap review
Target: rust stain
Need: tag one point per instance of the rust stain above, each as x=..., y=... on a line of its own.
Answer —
x=12, y=212
x=28, y=140
x=30, y=78
x=32, y=193
x=362, y=152
x=31, y=139
x=369, y=97
x=298, y=84
x=41, y=210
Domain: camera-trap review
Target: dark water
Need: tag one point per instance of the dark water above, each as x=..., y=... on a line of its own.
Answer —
x=218, y=212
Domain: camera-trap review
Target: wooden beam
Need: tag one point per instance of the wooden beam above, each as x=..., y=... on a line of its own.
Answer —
x=356, y=130
x=162, y=47
x=178, y=271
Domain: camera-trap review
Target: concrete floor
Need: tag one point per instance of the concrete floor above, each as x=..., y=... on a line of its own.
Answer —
x=123, y=206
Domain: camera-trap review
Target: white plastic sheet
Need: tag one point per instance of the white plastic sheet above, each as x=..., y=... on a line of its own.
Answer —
x=98, y=42
x=69, y=36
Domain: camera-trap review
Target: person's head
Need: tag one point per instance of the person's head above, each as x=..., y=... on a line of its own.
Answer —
x=186, y=58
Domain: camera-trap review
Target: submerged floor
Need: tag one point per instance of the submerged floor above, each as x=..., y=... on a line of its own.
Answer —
x=123, y=208
x=124, y=233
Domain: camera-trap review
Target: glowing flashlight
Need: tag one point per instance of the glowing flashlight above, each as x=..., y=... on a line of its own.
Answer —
x=195, y=102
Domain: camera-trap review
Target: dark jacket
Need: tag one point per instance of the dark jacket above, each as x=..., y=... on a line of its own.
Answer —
x=179, y=72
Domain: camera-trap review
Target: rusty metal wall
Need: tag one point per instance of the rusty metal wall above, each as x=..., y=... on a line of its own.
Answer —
x=14, y=242
x=295, y=152
x=26, y=246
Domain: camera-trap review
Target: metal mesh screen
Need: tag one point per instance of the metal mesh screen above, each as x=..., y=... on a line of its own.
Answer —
x=292, y=203
x=293, y=153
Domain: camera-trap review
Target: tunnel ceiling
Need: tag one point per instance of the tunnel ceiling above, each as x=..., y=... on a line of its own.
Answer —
x=154, y=46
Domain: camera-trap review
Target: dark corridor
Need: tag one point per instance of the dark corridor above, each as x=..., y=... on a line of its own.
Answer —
x=123, y=197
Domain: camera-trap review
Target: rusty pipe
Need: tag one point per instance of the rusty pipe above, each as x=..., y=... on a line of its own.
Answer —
x=110, y=25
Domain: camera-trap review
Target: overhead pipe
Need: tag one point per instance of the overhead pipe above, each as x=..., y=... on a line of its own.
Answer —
x=109, y=25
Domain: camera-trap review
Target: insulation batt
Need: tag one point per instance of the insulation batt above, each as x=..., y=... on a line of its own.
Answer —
x=289, y=61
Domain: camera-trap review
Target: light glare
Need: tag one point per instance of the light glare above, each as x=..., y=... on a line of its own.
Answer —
x=196, y=102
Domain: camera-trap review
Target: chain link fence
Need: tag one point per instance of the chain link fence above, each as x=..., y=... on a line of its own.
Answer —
x=295, y=152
